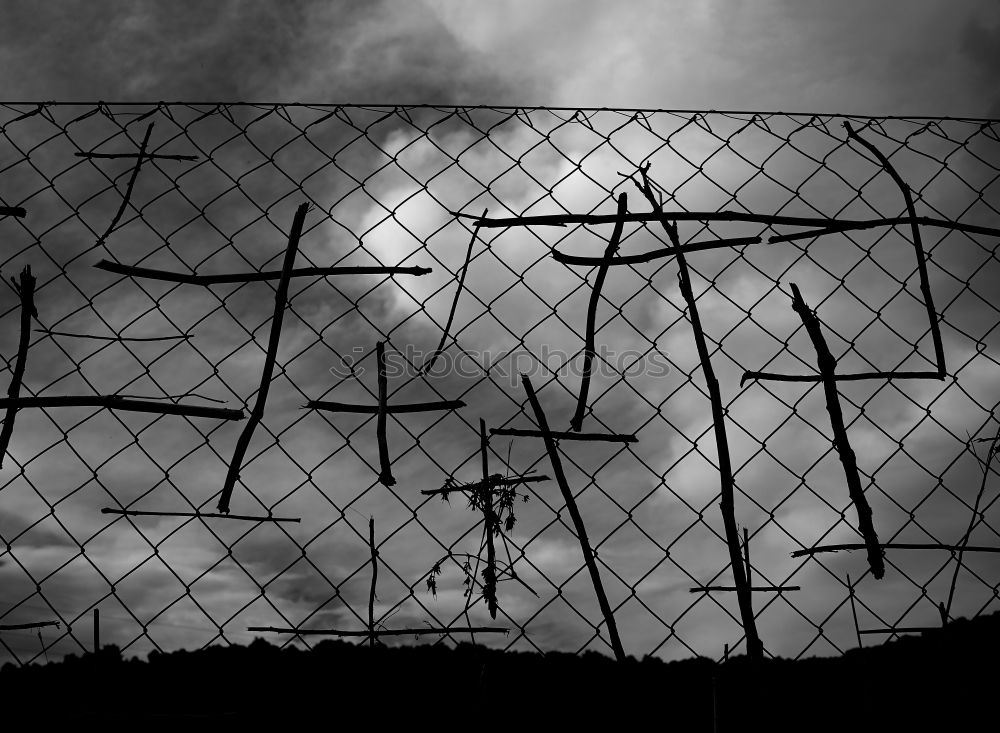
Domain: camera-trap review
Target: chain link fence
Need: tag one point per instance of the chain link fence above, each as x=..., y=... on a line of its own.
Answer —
x=211, y=190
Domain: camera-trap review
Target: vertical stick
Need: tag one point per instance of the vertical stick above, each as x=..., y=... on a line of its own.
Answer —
x=26, y=290
x=490, y=519
x=746, y=552
x=385, y=469
x=827, y=368
x=574, y=513
x=280, y=301
x=97, y=630
x=727, y=504
x=854, y=611
x=925, y=288
x=371, y=592
x=131, y=185
x=589, y=349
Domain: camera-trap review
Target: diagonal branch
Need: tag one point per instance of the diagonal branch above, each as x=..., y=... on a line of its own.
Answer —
x=589, y=350
x=25, y=288
x=827, y=366
x=257, y=414
x=131, y=185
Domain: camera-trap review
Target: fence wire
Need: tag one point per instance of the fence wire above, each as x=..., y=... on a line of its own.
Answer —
x=101, y=200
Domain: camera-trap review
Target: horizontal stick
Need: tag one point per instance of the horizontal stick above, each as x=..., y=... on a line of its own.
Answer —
x=891, y=546
x=246, y=277
x=733, y=588
x=559, y=435
x=146, y=156
x=901, y=629
x=50, y=332
x=33, y=625
x=773, y=377
x=854, y=226
x=653, y=255
x=211, y=515
x=114, y=402
x=19, y=211
x=487, y=484
x=390, y=409
x=770, y=219
x=385, y=632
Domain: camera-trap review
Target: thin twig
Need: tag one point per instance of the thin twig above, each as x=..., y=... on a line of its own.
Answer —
x=656, y=254
x=205, y=515
x=925, y=287
x=117, y=402
x=147, y=156
x=890, y=546
x=771, y=376
x=827, y=225
x=250, y=277
x=963, y=545
x=131, y=185
x=589, y=348
x=385, y=632
x=50, y=332
x=755, y=649
x=827, y=367
x=371, y=591
x=257, y=414
x=454, y=304
x=389, y=409
x=491, y=525
x=854, y=611
x=574, y=512
x=385, y=465
x=900, y=630
x=754, y=588
x=560, y=435
x=25, y=288
x=32, y=625
x=489, y=483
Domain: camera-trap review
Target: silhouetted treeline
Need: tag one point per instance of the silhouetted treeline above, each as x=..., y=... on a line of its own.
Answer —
x=939, y=680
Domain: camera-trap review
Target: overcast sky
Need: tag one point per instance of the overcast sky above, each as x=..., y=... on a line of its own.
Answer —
x=887, y=58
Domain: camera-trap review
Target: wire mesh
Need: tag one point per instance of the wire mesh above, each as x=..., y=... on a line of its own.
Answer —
x=211, y=190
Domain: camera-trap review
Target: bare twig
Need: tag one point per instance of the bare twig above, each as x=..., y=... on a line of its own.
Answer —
x=147, y=156
x=890, y=546
x=117, y=402
x=754, y=588
x=973, y=520
x=257, y=414
x=491, y=527
x=19, y=211
x=589, y=348
x=25, y=287
x=371, y=591
x=489, y=483
x=191, y=515
x=385, y=465
x=386, y=632
x=854, y=610
x=574, y=512
x=389, y=409
x=32, y=625
x=827, y=367
x=559, y=435
x=131, y=184
x=454, y=304
x=755, y=649
x=50, y=332
x=249, y=277
x=656, y=254
x=771, y=376
x=925, y=287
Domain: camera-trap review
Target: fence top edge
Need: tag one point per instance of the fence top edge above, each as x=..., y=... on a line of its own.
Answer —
x=541, y=108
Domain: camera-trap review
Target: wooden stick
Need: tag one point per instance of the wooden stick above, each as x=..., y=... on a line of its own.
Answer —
x=489, y=483
x=656, y=254
x=371, y=592
x=490, y=526
x=772, y=376
x=385, y=632
x=19, y=211
x=754, y=588
x=891, y=546
x=385, y=467
x=827, y=225
x=574, y=512
x=32, y=625
x=854, y=611
x=827, y=367
x=755, y=648
x=205, y=515
x=131, y=185
x=97, y=630
x=901, y=630
x=746, y=552
x=558, y=435
x=116, y=402
x=249, y=277
x=25, y=288
x=925, y=287
x=589, y=348
x=257, y=414
x=389, y=409
x=963, y=544
x=50, y=332
x=147, y=156
x=454, y=303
